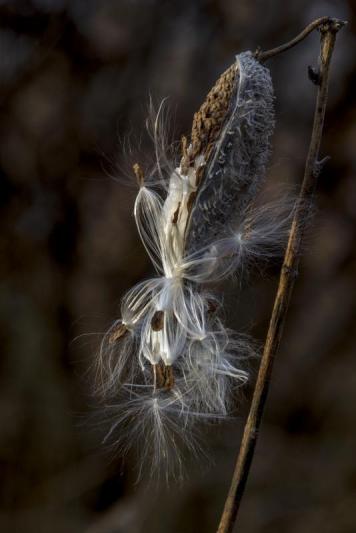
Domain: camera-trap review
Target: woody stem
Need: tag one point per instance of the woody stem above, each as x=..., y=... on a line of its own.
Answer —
x=328, y=29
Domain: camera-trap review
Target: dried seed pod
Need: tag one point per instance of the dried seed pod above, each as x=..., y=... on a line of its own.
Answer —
x=235, y=150
x=178, y=363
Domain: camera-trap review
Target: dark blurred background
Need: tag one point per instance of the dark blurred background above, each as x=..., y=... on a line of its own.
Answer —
x=75, y=80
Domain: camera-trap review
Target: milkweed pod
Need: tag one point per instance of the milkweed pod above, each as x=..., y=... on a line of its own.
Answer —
x=239, y=118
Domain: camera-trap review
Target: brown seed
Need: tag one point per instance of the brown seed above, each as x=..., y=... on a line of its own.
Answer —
x=175, y=214
x=157, y=321
x=139, y=174
x=191, y=201
x=163, y=376
x=212, y=306
x=118, y=332
x=158, y=375
x=169, y=378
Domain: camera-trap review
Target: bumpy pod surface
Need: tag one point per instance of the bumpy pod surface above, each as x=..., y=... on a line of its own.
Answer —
x=236, y=159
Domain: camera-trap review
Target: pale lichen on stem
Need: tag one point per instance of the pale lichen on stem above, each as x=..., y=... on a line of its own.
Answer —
x=328, y=28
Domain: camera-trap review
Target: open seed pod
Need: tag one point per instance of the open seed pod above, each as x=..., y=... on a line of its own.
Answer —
x=170, y=361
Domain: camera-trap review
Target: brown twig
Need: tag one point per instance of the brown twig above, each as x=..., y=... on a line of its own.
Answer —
x=263, y=56
x=328, y=29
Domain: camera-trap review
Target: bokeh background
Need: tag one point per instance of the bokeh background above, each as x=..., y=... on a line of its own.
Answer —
x=75, y=80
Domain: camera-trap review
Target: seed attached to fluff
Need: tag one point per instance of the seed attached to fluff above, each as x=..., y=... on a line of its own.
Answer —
x=139, y=174
x=157, y=321
x=163, y=376
x=118, y=333
x=176, y=214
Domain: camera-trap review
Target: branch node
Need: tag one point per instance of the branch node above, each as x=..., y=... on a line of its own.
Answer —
x=257, y=53
x=314, y=75
x=319, y=165
x=332, y=25
x=290, y=271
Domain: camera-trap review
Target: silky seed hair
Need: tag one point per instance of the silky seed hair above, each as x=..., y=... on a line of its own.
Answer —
x=169, y=363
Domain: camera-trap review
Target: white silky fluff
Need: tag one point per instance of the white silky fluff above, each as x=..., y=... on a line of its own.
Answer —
x=208, y=360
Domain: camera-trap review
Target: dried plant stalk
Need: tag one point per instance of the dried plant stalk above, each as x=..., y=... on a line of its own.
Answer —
x=328, y=29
